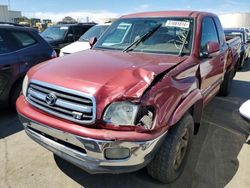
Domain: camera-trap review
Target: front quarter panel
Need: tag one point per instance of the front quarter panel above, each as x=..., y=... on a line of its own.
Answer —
x=169, y=92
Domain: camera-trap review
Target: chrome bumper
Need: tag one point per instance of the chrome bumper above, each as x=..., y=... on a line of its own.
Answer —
x=87, y=153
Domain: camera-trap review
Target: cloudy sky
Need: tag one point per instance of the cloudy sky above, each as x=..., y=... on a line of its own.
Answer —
x=98, y=9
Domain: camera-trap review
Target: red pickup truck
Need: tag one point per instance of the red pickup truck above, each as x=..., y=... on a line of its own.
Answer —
x=136, y=98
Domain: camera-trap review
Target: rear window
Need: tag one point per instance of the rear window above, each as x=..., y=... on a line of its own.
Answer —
x=24, y=39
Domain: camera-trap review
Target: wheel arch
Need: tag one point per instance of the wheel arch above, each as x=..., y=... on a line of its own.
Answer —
x=192, y=104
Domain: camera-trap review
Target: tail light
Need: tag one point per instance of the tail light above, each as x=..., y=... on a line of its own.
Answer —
x=54, y=54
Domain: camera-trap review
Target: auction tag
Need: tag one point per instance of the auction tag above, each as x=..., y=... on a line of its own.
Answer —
x=64, y=28
x=174, y=23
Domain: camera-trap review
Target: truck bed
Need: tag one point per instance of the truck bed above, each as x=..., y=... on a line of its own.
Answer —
x=234, y=45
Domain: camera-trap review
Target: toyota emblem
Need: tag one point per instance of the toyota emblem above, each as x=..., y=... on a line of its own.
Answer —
x=51, y=99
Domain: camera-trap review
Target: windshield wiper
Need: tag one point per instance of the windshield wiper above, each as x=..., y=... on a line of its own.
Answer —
x=144, y=37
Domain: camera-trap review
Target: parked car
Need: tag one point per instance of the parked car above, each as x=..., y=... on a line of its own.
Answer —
x=245, y=110
x=136, y=98
x=83, y=42
x=20, y=49
x=245, y=47
x=59, y=36
x=247, y=31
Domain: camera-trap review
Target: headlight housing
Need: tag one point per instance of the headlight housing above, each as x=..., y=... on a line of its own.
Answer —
x=25, y=85
x=121, y=113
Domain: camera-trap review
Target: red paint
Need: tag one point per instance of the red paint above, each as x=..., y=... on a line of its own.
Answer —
x=188, y=81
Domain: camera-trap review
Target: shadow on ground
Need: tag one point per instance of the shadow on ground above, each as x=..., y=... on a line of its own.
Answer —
x=213, y=158
x=9, y=123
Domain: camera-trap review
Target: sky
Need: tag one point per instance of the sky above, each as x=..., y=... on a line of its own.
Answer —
x=98, y=9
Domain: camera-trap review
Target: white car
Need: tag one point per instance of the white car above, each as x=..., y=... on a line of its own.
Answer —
x=83, y=42
x=245, y=110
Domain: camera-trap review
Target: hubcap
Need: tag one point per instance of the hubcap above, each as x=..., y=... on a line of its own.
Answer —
x=181, y=149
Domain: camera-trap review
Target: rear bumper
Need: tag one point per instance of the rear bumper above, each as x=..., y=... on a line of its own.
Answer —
x=89, y=154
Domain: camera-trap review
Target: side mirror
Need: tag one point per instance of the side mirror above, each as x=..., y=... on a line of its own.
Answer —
x=92, y=41
x=70, y=37
x=211, y=48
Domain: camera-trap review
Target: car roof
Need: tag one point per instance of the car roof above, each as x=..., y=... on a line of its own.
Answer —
x=77, y=24
x=176, y=13
x=104, y=24
x=16, y=27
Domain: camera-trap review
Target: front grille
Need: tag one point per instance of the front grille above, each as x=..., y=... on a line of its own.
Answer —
x=66, y=103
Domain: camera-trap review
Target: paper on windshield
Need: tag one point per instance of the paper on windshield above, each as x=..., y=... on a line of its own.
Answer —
x=64, y=28
x=175, y=23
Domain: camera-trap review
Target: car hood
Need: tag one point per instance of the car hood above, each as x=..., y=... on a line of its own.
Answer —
x=75, y=47
x=107, y=75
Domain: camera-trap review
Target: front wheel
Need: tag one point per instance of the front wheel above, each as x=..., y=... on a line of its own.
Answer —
x=15, y=93
x=171, y=158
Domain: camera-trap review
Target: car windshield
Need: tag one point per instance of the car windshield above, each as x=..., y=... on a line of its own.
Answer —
x=54, y=33
x=95, y=31
x=152, y=35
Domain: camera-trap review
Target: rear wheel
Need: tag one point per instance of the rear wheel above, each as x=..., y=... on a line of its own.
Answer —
x=241, y=64
x=227, y=83
x=171, y=158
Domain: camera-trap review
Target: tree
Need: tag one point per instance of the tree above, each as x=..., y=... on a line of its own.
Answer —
x=69, y=19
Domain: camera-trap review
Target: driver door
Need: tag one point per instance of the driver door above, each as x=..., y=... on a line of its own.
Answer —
x=211, y=67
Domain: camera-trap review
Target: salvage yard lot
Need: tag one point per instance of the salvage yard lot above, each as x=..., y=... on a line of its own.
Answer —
x=219, y=157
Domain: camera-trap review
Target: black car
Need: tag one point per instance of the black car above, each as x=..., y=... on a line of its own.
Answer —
x=61, y=35
x=245, y=47
x=20, y=49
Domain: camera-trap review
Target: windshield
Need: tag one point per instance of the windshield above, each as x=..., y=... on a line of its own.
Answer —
x=95, y=31
x=153, y=35
x=54, y=33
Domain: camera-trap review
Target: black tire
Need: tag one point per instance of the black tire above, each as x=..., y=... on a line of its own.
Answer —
x=241, y=64
x=226, y=85
x=170, y=160
x=15, y=93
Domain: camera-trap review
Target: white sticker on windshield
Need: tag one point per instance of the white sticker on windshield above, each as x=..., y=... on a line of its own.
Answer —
x=64, y=28
x=174, y=23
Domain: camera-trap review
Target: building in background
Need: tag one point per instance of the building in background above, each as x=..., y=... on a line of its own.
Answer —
x=235, y=20
x=7, y=15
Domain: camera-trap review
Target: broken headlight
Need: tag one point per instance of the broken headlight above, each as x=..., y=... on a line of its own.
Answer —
x=121, y=113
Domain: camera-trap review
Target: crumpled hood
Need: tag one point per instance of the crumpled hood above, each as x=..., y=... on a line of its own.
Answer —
x=107, y=75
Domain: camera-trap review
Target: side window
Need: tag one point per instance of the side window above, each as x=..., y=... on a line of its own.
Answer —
x=4, y=46
x=220, y=31
x=209, y=33
x=24, y=39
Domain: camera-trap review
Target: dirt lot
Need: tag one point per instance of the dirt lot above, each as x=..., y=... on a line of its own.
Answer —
x=220, y=156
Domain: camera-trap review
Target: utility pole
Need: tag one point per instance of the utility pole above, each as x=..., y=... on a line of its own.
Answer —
x=9, y=4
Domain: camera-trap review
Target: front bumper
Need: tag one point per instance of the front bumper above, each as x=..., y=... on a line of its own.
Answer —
x=87, y=153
